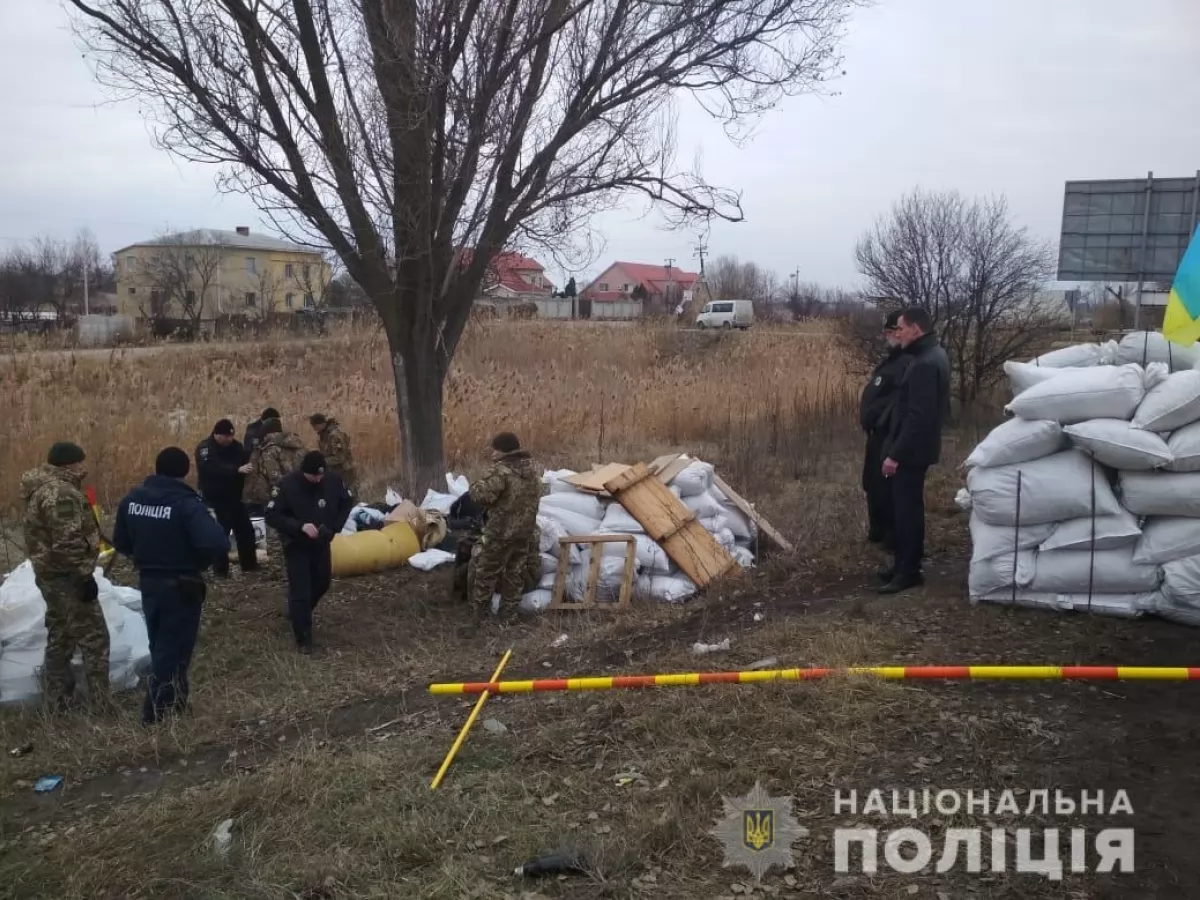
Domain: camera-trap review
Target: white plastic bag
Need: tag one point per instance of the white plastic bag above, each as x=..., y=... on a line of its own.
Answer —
x=1117, y=443
x=1053, y=489
x=428, y=560
x=1145, y=347
x=1108, y=533
x=1017, y=441
x=666, y=588
x=988, y=541
x=1102, y=392
x=1161, y=493
x=1184, y=445
x=1166, y=539
x=1172, y=404
x=987, y=576
x=1083, y=572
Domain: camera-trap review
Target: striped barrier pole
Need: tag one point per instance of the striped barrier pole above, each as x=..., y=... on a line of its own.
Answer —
x=462, y=734
x=890, y=673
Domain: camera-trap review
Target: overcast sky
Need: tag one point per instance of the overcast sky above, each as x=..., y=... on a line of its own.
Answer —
x=986, y=96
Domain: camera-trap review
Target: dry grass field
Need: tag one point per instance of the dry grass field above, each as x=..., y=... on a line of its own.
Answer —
x=323, y=764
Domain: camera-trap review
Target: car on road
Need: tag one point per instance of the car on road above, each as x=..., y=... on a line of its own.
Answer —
x=726, y=314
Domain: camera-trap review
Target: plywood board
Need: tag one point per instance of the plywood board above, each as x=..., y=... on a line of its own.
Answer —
x=764, y=526
x=674, y=526
x=668, y=466
x=593, y=481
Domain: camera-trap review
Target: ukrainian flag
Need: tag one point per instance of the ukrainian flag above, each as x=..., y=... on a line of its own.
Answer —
x=1181, y=323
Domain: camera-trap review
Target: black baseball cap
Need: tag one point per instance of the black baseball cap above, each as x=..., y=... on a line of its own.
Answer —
x=892, y=320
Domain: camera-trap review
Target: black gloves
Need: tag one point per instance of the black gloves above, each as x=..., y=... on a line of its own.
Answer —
x=88, y=589
x=324, y=533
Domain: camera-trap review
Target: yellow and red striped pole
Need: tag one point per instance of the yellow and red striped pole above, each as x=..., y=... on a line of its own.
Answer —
x=891, y=673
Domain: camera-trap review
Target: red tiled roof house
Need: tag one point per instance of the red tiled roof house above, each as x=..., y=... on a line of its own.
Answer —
x=639, y=288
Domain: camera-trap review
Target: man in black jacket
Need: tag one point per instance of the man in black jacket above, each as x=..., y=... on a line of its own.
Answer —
x=221, y=470
x=308, y=507
x=164, y=526
x=254, y=431
x=914, y=443
x=875, y=412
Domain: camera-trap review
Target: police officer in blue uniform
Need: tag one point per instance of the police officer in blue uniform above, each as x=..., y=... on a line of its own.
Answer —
x=308, y=507
x=164, y=526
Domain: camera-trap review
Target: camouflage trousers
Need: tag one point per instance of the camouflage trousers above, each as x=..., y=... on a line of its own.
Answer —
x=72, y=623
x=507, y=568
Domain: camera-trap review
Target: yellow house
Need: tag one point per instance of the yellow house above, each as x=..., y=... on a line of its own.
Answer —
x=204, y=274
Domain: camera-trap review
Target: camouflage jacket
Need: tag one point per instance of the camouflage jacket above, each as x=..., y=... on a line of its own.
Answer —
x=276, y=455
x=335, y=446
x=510, y=491
x=60, y=532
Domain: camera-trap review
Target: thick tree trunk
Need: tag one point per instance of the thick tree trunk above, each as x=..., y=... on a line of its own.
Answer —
x=420, y=373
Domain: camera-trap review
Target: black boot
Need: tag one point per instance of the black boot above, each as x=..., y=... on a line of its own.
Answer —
x=901, y=583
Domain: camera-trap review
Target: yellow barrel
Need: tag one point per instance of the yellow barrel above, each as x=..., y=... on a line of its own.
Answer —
x=374, y=551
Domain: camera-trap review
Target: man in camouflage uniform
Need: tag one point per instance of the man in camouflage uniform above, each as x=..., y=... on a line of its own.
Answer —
x=278, y=453
x=335, y=447
x=61, y=537
x=510, y=491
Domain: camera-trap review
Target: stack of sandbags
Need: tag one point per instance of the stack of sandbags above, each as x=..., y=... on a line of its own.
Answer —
x=1047, y=527
x=23, y=636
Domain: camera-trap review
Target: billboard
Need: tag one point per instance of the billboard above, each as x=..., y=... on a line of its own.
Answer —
x=1135, y=230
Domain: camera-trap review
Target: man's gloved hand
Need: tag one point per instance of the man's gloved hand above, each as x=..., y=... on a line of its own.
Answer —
x=88, y=589
x=324, y=533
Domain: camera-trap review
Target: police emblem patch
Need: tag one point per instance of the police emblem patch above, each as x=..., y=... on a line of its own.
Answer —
x=758, y=832
x=321, y=503
x=878, y=380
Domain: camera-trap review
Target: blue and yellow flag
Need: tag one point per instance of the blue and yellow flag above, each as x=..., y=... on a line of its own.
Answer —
x=1181, y=323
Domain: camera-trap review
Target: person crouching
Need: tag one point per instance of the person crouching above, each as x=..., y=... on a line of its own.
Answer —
x=308, y=507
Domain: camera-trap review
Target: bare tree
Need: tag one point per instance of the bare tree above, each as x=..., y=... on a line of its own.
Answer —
x=181, y=273
x=403, y=132
x=731, y=279
x=980, y=277
x=268, y=286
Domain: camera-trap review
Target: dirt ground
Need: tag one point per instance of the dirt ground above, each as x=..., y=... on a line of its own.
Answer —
x=323, y=764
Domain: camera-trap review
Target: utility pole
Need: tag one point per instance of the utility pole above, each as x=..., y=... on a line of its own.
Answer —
x=701, y=251
x=668, y=293
x=85, y=286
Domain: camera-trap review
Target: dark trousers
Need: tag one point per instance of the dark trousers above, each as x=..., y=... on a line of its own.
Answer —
x=172, y=608
x=309, y=572
x=908, y=535
x=234, y=516
x=880, y=509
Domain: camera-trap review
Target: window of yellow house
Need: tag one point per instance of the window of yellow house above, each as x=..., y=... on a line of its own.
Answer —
x=287, y=299
x=189, y=298
x=308, y=301
x=131, y=263
x=251, y=265
x=249, y=298
x=288, y=272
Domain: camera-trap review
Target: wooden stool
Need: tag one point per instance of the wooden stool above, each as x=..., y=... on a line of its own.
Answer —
x=593, y=580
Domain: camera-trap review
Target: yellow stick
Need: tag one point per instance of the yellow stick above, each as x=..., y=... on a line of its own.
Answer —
x=462, y=735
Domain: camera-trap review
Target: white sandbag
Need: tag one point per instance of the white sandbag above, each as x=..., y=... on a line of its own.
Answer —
x=726, y=538
x=714, y=524
x=1099, y=533
x=1103, y=392
x=1017, y=441
x=1102, y=572
x=666, y=588
x=1023, y=598
x=428, y=560
x=1053, y=489
x=556, y=481
x=962, y=500
x=650, y=556
x=546, y=582
x=577, y=577
x=617, y=520
x=1167, y=538
x=1079, y=355
x=569, y=522
x=1172, y=404
x=1181, y=580
x=550, y=532
x=1117, y=443
x=536, y=601
x=695, y=479
x=579, y=503
x=987, y=576
x=705, y=504
x=549, y=563
x=1184, y=445
x=1161, y=493
x=1023, y=376
x=989, y=541
x=739, y=523
x=1124, y=606
x=1167, y=608
x=744, y=556
x=1145, y=347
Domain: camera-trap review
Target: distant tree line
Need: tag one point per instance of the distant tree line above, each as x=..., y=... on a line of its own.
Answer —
x=46, y=276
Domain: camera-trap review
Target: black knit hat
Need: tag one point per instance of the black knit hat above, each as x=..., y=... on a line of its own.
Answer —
x=223, y=426
x=269, y=413
x=506, y=442
x=172, y=462
x=892, y=319
x=271, y=426
x=64, y=453
x=313, y=463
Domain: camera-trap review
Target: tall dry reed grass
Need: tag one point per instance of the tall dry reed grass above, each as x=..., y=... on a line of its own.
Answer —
x=571, y=391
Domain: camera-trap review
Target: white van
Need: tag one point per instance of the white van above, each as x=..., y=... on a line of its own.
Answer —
x=726, y=314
